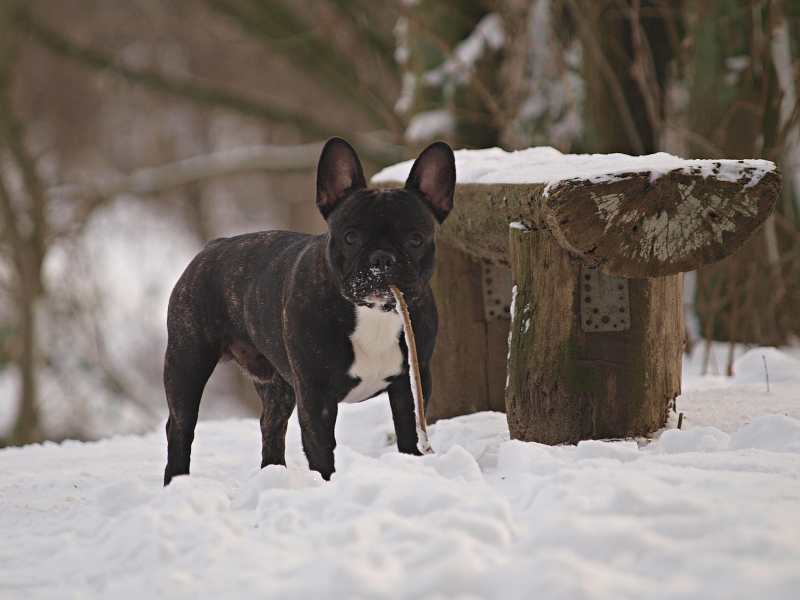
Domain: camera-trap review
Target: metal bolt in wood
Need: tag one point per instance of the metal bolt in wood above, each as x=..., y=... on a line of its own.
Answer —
x=605, y=304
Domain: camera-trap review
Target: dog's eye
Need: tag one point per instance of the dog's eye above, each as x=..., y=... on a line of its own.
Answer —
x=351, y=237
x=415, y=241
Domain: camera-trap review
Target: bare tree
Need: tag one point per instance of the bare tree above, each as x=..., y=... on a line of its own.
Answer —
x=23, y=233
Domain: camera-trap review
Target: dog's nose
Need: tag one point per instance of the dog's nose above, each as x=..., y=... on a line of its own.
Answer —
x=382, y=260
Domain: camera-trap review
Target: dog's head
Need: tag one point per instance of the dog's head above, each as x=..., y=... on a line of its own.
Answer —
x=378, y=237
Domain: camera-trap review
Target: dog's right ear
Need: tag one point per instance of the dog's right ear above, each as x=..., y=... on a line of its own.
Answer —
x=339, y=173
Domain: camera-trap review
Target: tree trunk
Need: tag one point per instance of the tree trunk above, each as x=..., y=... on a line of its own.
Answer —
x=469, y=363
x=27, y=428
x=566, y=384
x=27, y=249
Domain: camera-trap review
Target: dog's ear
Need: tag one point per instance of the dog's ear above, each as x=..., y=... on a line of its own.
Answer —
x=338, y=173
x=433, y=177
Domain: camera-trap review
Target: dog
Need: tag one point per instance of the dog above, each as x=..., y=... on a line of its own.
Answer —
x=311, y=319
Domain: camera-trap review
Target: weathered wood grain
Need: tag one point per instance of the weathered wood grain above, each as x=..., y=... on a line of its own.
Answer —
x=678, y=223
x=629, y=226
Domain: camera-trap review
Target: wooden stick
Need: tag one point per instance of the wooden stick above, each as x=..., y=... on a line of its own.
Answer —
x=423, y=445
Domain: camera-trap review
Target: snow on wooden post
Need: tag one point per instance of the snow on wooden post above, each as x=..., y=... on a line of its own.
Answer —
x=597, y=245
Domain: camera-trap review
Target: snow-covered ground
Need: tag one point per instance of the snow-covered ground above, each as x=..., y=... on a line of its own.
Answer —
x=710, y=511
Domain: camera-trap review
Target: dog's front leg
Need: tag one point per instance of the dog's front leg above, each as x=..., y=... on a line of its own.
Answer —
x=402, y=403
x=317, y=411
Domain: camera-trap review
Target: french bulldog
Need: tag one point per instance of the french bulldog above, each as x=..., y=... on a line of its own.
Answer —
x=311, y=319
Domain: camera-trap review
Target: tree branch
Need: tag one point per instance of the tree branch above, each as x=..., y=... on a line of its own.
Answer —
x=643, y=72
x=271, y=22
x=206, y=166
x=611, y=79
x=100, y=61
x=499, y=116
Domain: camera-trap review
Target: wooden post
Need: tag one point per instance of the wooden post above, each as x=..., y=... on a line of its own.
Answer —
x=566, y=384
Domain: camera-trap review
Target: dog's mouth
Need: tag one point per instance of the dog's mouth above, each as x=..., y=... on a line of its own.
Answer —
x=370, y=288
x=378, y=302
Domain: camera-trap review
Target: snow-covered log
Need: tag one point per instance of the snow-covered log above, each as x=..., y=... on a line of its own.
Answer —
x=632, y=216
x=597, y=246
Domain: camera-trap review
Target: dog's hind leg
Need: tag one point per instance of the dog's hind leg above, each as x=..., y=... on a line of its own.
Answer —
x=277, y=400
x=187, y=366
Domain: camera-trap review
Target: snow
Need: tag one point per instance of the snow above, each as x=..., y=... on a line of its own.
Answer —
x=487, y=35
x=729, y=403
x=710, y=511
x=429, y=125
x=780, y=367
x=548, y=166
x=554, y=83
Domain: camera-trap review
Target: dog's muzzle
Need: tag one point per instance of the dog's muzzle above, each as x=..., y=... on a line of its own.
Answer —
x=369, y=284
x=370, y=287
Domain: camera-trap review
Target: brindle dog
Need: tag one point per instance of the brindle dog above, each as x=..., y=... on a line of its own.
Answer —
x=311, y=319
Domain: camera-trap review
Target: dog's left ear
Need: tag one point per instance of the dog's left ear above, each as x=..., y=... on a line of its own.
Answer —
x=339, y=173
x=433, y=177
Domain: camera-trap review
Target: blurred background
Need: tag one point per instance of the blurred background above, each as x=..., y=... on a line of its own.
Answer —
x=132, y=131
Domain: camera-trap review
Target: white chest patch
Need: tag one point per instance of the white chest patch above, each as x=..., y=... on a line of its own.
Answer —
x=377, y=352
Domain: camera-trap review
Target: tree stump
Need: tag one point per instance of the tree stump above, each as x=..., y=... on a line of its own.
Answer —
x=597, y=246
